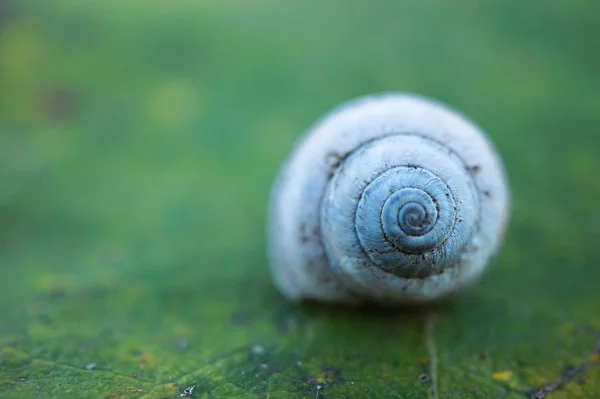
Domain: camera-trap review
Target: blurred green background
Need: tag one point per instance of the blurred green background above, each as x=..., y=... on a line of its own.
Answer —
x=138, y=141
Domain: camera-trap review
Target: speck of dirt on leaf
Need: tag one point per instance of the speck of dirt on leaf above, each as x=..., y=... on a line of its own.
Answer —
x=187, y=392
x=424, y=377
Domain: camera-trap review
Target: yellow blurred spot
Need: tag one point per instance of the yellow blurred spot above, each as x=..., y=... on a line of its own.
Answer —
x=174, y=104
x=172, y=386
x=146, y=358
x=424, y=360
x=503, y=376
x=13, y=357
x=326, y=376
x=21, y=56
x=595, y=358
x=20, y=49
x=14, y=354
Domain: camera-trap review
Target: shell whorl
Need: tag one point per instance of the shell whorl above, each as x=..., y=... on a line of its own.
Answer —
x=397, y=198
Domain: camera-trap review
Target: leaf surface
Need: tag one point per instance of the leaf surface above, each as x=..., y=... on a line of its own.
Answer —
x=137, y=148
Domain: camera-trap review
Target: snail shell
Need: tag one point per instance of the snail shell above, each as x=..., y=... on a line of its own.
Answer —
x=390, y=198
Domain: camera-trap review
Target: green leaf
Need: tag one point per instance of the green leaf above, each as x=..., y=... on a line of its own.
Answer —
x=137, y=148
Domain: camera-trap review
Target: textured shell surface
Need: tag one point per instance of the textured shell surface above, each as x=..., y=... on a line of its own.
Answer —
x=391, y=198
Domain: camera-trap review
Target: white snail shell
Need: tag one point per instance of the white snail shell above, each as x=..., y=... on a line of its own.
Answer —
x=390, y=198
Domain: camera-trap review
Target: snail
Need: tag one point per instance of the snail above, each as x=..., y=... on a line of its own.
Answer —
x=389, y=198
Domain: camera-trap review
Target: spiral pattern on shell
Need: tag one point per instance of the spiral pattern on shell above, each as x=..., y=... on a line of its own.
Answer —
x=395, y=199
